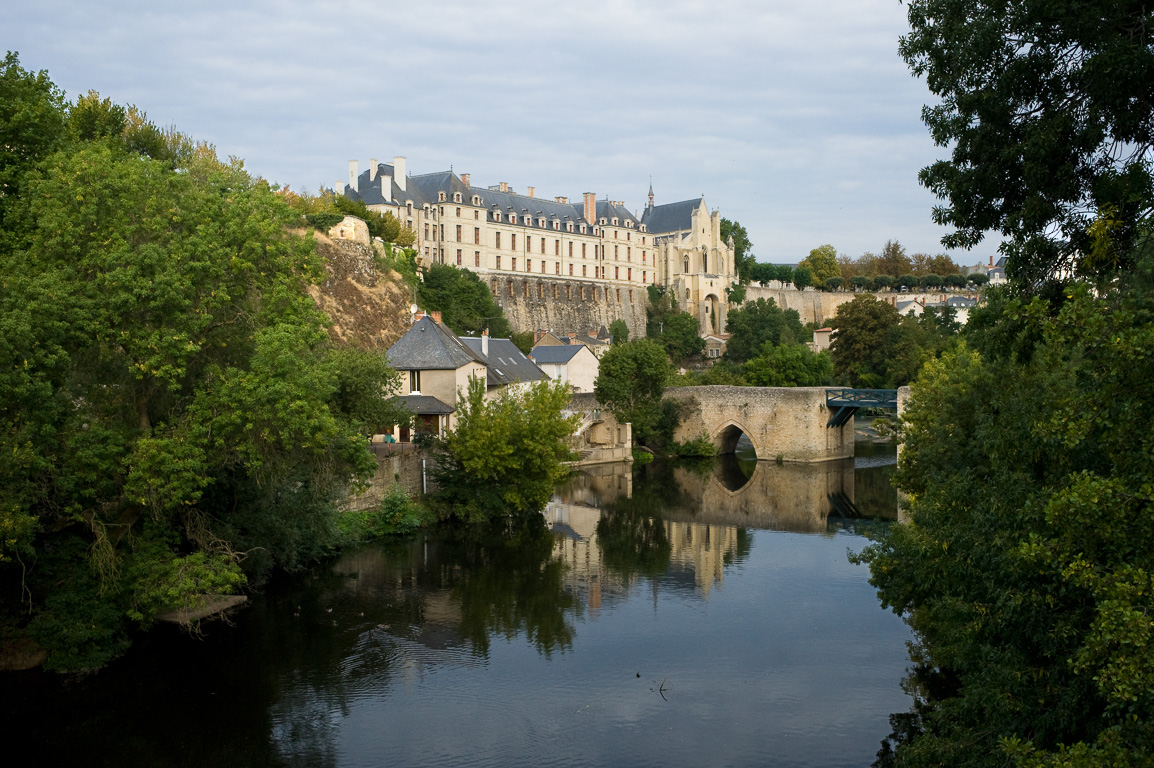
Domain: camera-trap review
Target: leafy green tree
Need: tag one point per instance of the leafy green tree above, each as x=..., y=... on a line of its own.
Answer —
x=505, y=454
x=860, y=282
x=32, y=126
x=789, y=365
x=679, y=336
x=1026, y=566
x=955, y=280
x=822, y=263
x=619, y=331
x=465, y=303
x=802, y=278
x=743, y=258
x=863, y=342
x=893, y=260
x=978, y=279
x=630, y=381
x=882, y=282
x=171, y=395
x=756, y=322
x=1046, y=110
x=735, y=294
x=523, y=341
x=908, y=280
x=762, y=273
x=833, y=283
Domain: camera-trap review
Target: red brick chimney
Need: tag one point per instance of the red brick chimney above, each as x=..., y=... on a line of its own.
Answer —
x=590, y=207
x=436, y=315
x=465, y=179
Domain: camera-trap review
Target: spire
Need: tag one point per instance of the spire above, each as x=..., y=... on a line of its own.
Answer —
x=650, y=191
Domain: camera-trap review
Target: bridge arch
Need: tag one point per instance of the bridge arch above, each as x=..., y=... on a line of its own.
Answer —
x=726, y=437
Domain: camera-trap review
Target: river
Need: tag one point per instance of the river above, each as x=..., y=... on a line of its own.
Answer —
x=689, y=616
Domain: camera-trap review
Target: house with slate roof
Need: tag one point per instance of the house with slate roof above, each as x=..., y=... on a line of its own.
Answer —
x=572, y=364
x=497, y=231
x=436, y=366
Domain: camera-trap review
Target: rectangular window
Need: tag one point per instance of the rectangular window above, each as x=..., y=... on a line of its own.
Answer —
x=477, y=235
x=514, y=267
x=477, y=215
x=644, y=277
x=557, y=247
x=426, y=230
x=498, y=261
x=476, y=258
x=628, y=235
x=458, y=233
x=629, y=254
x=583, y=270
x=616, y=254
x=497, y=241
x=442, y=232
x=570, y=270
x=458, y=257
x=582, y=250
x=458, y=213
x=629, y=274
x=556, y=269
x=617, y=273
x=414, y=381
x=528, y=265
x=542, y=245
x=570, y=249
x=513, y=243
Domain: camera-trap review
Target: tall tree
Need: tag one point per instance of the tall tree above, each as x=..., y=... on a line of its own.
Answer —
x=1047, y=109
x=465, y=303
x=756, y=322
x=743, y=258
x=630, y=382
x=823, y=264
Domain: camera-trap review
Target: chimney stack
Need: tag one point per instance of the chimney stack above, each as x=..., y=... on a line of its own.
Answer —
x=465, y=179
x=373, y=169
x=532, y=191
x=353, y=173
x=590, y=207
x=436, y=315
x=504, y=186
x=339, y=187
x=561, y=199
x=485, y=343
x=399, y=172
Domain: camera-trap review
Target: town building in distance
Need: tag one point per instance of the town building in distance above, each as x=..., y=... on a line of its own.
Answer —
x=498, y=232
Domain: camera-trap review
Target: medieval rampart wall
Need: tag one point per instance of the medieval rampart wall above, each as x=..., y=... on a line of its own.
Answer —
x=532, y=302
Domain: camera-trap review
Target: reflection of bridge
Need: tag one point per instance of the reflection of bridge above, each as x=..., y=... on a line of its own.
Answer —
x=789, y=424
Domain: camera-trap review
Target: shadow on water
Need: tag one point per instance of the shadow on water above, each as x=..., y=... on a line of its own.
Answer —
x=282, y=685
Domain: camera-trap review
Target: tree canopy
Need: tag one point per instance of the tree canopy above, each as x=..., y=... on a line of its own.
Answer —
x=756, y=322
x=743, y=258
x=1047, y=110
x=466, y=304
x=822, y=263
x=175, y=418
x=630, y=381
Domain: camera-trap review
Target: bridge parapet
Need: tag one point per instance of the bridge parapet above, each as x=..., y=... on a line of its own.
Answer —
x=782, y=422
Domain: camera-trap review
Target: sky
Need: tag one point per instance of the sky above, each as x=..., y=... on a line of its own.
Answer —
x=798, y=120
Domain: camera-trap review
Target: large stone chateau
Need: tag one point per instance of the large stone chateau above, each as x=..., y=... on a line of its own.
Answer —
x=529, y=246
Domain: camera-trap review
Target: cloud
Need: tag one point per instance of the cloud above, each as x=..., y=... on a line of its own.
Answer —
x=798, y=120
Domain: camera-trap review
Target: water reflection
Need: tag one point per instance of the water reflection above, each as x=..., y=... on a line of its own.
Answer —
x=546, y=644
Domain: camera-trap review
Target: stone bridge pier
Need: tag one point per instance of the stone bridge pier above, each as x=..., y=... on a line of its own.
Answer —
x=786, y=423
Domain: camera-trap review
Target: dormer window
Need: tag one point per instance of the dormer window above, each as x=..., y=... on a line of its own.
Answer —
x=541, y=222
x=476, y=200
x=456, y=197
x=571, y=227
x=643, y=229
x=441, y=197
x=582, y=228
x=603, y=220
x=615, y=221
x=556, y=224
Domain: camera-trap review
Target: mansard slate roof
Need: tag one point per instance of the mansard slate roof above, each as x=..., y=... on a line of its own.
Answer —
x=369, y=192
x=555, y=354
x=671, y=217
x=607, y=210
x=507, y=364
x=429, y=346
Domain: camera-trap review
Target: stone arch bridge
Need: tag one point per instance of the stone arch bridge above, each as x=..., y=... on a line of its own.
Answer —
x=795, y=424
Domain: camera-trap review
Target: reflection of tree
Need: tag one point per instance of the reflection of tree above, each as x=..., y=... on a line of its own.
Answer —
x=631, y=532
x=506, y=581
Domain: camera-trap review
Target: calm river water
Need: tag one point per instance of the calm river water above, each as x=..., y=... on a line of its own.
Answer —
x=669, y=617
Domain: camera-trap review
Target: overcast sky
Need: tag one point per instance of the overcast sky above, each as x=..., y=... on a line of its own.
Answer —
x=797, y=119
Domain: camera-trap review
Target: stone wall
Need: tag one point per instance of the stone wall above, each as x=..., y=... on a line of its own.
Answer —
x=396, y=465
x=813, y=306
x=781, y=422
x=532, y=302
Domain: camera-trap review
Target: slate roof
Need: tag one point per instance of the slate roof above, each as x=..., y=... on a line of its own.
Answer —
x=430, y=346
x=961, y=301
x=553, y=354
x=422, y=405
x=671, y=217
x=607, y=210
x=369, y=192
x=506, y=363
x=496, y=200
